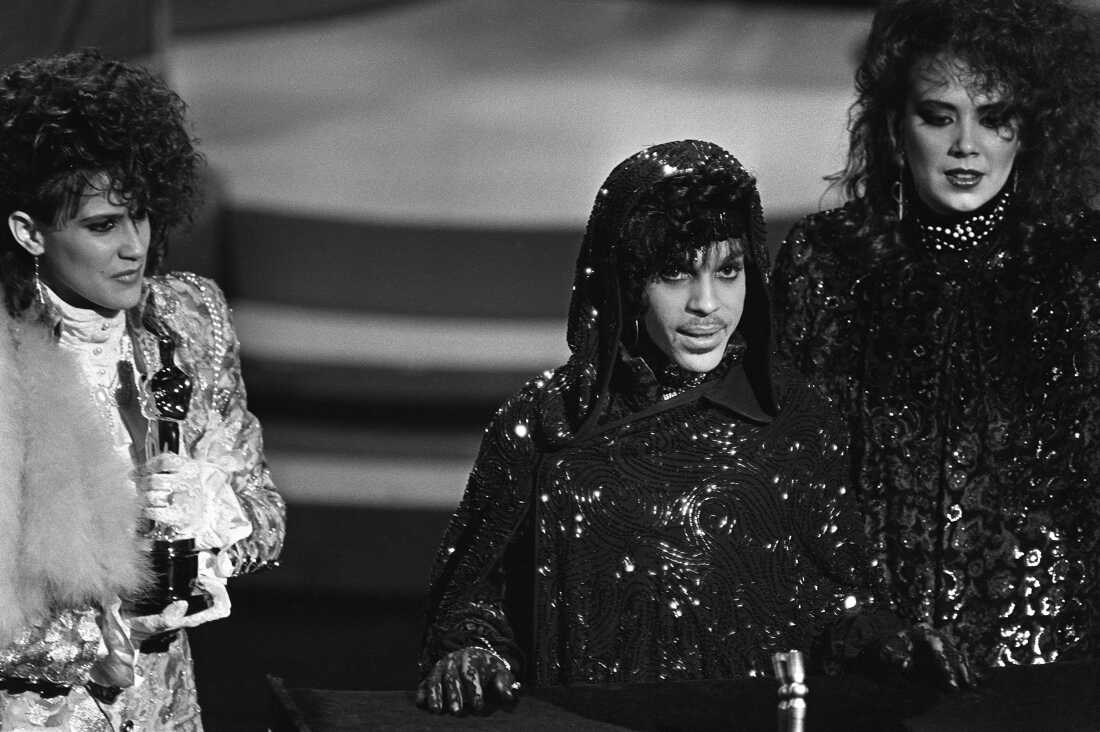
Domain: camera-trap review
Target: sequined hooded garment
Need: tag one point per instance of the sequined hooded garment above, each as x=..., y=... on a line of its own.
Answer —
x=968, y=370
x=609, y=534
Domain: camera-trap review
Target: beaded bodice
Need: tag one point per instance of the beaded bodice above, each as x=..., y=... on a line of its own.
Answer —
x=968, y=376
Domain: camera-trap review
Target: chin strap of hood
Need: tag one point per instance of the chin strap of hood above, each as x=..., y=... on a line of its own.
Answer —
x=580, y=390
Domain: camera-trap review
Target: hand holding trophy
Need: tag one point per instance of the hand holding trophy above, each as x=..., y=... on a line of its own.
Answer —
x=168, y=505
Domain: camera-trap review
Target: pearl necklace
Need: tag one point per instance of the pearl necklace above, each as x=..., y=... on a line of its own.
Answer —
x=963, y=235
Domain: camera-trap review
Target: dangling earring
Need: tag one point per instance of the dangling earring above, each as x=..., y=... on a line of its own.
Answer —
x=39, y=294
x=632, y=333
x=1015, y=180
x=897, y=192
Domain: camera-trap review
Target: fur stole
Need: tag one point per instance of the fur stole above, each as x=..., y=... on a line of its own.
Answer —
x=68, y=516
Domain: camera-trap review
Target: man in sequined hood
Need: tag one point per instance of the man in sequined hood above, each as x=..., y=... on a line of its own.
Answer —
x=666, y=505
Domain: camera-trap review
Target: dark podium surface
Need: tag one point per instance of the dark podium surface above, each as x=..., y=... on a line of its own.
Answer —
x=1063, y=697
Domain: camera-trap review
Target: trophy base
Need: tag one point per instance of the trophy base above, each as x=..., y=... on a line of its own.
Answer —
x=156, y=605
x=175, y=567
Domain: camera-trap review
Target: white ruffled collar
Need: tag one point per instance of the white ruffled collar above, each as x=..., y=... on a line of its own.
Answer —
x=81, y=326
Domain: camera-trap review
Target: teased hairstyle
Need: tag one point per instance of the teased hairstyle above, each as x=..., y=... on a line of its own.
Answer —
x=1040, y=52
x=675, y=219
x=71, y=120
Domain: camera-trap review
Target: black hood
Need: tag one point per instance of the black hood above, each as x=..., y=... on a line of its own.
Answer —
x=579, y=391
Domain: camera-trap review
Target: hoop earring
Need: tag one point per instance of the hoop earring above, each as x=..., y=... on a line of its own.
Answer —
x=39, y=293
x=897, y=192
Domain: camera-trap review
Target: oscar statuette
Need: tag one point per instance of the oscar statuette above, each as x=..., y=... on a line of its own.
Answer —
x=173, y=557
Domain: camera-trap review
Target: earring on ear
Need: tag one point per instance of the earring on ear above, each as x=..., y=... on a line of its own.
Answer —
x=632, y=333
x=39, y=294
x=897, y=192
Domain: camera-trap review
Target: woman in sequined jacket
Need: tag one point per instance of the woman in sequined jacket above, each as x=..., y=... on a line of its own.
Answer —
x=950, y=309
x=95, y=167
x=666, y=505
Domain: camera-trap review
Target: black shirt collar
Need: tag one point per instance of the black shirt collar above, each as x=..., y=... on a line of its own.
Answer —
x=735, y=392
x=728, y=386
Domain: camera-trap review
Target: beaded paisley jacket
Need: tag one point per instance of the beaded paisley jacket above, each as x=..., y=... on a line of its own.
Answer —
x=70, y=512
x=967, y=368
x=625, y=525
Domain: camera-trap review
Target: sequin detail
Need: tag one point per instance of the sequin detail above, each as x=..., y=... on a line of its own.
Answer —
x=968, y=376
x=608, y=533
x=726, y=541
x=689, y=544
x=63, y=647
x=195, y=311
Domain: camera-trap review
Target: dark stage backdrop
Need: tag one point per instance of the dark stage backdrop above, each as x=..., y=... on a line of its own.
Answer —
x=121, y=28
x=190, y=16
x=210, y=15
x=138, y=28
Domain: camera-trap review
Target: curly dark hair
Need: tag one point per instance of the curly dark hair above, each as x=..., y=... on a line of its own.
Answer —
x=676, y=218
x=75, y=121
x=1041, y=53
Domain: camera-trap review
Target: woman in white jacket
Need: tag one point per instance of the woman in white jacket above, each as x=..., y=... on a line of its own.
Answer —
x=96, y=166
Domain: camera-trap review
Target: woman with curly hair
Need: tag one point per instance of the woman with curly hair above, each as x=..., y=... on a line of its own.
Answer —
x=951, y=310
x=126, y=446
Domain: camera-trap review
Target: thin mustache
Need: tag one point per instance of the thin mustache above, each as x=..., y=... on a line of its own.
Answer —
x=701, y=324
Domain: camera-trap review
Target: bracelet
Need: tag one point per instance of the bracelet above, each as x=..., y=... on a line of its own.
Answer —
x=492, y=653
x=515, y=683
